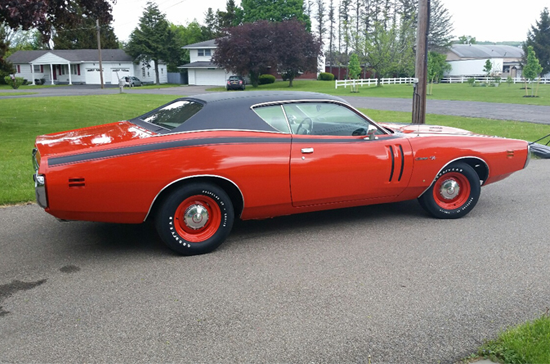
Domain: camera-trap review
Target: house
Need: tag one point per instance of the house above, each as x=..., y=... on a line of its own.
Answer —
x=201, y=70
x=469, y=60
x=81, y=66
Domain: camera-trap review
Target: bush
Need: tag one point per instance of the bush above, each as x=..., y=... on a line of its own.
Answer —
x=18, y=81
x=326, y=76
x=265, y=79
x=471, y=81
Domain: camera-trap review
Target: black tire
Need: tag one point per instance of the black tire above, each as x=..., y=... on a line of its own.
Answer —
x=454, y=193
x=195, y=219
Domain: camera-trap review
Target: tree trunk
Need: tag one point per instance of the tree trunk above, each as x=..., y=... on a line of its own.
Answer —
x=157, y=71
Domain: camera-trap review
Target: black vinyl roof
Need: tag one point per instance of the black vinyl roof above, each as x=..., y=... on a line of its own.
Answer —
x=233, y=110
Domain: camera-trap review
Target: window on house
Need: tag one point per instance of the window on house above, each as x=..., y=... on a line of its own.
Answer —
x=204, y=52
x=143, y=72
x=36, y=68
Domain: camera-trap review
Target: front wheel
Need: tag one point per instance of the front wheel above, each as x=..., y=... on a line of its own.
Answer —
x=454, y=193
x=195, y=219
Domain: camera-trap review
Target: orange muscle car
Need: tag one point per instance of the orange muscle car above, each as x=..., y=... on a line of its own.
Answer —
x=195, y=164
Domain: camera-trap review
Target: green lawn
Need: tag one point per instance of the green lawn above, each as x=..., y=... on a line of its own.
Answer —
x=509, y=94
x=526, y=343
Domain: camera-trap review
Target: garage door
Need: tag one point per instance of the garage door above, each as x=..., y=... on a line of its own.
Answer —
x=93, y=76
x=210, y=77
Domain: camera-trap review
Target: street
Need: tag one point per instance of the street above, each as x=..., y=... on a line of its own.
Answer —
x=385, y=282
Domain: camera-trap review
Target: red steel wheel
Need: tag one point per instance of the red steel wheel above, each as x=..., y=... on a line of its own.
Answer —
x=454, y=192
x=195, y=218
x=451, y=191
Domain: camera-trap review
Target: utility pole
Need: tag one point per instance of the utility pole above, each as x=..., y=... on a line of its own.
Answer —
x=421, y=65
x=99, y=50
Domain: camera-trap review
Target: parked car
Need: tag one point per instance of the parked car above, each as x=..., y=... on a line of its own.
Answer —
x=197, y=163
x=131, y=81
x=235, y=83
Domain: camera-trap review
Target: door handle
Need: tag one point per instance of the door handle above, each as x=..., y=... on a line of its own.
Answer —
x=307, y=150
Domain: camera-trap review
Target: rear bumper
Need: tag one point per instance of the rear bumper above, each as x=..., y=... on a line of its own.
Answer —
x=39, y=182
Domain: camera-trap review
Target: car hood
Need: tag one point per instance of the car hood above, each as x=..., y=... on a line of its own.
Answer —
x=425, y=129
x=94, y=136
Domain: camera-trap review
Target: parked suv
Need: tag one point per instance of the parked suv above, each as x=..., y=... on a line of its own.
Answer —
x=235, y=83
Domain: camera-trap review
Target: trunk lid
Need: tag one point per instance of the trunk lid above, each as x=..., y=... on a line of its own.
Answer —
x=91, y=137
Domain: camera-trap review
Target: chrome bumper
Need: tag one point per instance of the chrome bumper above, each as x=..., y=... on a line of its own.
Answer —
x=39, y=182
x=528, y=156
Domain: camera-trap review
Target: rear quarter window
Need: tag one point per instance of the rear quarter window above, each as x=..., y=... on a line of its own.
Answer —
x=172, y=115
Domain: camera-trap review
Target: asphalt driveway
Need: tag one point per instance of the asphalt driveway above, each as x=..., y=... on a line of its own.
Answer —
x=385, y=282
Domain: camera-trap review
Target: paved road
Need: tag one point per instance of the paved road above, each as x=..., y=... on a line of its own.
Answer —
x=381, y=281
x=528, y=113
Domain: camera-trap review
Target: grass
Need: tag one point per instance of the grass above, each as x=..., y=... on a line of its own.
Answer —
x=508, y=94
x=526, y=343
x=16, y=93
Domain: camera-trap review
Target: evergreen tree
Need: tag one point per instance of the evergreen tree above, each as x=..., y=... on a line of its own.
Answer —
x=274, y=11
x=539, y=38
x=153, y=39
x=332, y=25
x=441, y=27
x=85, y=37
x=320, y=18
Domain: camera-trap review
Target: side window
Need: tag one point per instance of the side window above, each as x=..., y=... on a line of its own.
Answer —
x=325, y=118
x=274, y=116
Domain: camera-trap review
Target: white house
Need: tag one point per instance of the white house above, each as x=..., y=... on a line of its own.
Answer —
x=201, y=70
x=469, y=60
x=81, y=66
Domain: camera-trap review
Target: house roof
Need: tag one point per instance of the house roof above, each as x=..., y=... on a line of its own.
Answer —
x=486, y=51
x=73, y=55
x=200, y=64
x=206, y=44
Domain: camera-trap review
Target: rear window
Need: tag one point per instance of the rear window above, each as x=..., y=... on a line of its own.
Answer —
x=172, y=115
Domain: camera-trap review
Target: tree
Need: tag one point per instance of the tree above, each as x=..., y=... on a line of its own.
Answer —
x=441, y=27
x=354, y=70
x=487, y=67
x=320, y=18
x=227, y=18
x=153, y=39
x=210, y=28
x=247, y=49
x=253, y=47
x=184, y=35
x=296, y=50
x=274, y=11
x=46, y=15
x=437, y=66
x=539, y=38
x=85, y=37
x=382, y=50
x=466, y=39
x=532, y=68
x=331, y=20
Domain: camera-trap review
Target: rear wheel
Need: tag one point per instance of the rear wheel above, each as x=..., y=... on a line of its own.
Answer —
x=454, y=193
x=195, y=219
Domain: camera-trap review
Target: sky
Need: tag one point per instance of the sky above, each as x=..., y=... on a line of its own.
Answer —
x=486, y=20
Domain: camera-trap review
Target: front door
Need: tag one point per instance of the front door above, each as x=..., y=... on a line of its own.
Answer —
x=339, y=156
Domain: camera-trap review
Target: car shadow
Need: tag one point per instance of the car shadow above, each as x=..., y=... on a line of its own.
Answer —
x=125, y=239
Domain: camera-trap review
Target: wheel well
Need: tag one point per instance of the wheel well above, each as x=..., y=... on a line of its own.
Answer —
x=232, y=191
x=478, y=165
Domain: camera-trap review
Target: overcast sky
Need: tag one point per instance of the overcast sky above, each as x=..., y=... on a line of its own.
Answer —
x=486, y=20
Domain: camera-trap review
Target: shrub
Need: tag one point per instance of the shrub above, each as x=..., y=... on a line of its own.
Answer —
x=14, y=84
x=509, y=80
x=265, y=79
x=471, y=81
x=326, y=76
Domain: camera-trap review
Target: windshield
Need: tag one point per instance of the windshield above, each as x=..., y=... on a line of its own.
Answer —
x=172, y=115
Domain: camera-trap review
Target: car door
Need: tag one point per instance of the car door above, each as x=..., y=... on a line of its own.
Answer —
x=337, y=155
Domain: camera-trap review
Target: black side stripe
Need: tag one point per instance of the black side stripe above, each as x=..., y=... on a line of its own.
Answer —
x=402, y=162
x=55, y=161
x=392, y=162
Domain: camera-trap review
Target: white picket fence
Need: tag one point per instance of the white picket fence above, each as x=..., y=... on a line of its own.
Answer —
x=373, y=82
x=485, y=79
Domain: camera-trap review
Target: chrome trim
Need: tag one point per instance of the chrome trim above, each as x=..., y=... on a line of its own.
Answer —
x=196, y=216
x=39, y=182
x=307, y=150
x=454, y=160
x=190, y=177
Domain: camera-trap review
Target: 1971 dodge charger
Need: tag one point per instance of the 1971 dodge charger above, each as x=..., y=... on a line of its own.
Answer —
x=196, y=163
